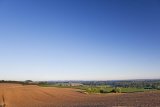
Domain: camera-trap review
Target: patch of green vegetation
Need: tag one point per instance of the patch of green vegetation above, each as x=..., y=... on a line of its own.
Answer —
x=96, y=89
x=99, y=88
x=116, y=90
x=131, y=90
x=158, y=87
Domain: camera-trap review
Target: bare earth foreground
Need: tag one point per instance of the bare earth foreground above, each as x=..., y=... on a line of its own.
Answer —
x=15, y=95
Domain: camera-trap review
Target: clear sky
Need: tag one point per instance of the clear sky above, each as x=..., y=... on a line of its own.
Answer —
x=79, y=39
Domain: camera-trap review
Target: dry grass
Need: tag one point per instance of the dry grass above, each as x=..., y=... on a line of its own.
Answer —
x=15, y=95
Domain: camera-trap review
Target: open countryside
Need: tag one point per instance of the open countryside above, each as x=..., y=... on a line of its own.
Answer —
x=79, y=53
x=67, y=94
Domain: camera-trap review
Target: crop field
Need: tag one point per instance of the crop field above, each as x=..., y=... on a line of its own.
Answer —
x=100, y=88
x=16, y=95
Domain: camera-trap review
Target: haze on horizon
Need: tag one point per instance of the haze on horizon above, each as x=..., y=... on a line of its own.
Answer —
x=79, y=39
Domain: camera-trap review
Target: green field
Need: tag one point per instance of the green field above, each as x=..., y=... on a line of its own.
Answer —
x=99, y=89
x=130, y=90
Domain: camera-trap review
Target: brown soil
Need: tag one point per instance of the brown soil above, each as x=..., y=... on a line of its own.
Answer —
x=15, y=95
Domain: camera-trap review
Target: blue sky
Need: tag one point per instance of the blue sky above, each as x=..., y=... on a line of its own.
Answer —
x=79, y=39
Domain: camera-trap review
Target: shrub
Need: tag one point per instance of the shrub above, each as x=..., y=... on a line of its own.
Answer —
x=158, y=88
x=113, y=91
x=92, y=90
x=116, y=90
x=103, y=91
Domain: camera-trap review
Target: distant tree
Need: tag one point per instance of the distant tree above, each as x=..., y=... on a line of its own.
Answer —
x=2, y=81
x=103, y=91
x=158, y=87
x=116, y=90
x=28, y=81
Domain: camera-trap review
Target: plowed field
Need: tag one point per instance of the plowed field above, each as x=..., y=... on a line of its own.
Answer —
x=16, y=95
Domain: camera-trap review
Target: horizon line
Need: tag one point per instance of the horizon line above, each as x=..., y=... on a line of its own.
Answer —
x=87, y=80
